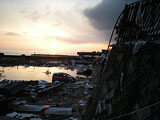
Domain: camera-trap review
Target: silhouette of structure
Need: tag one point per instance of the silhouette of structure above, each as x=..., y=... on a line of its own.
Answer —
x=129, y=84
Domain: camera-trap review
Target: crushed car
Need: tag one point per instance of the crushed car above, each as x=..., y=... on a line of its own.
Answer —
x=62, y=77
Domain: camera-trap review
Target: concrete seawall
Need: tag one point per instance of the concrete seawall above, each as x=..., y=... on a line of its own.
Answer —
x=129, y=87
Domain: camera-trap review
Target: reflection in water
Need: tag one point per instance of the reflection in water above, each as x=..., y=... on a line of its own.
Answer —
x=2, y=73
x=31, y=73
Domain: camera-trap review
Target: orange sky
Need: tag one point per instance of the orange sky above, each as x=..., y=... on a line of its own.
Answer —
x=55, y=26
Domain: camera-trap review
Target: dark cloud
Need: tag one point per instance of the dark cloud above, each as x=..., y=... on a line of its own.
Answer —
x=12, y=34
x=104, y=15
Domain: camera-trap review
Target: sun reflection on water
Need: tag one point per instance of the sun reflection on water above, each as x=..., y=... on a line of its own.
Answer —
x=32, y=72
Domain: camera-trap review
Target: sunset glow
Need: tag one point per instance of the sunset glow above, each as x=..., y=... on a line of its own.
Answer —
x=55, y=26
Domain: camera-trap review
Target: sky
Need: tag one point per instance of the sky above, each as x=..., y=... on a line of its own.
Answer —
x=58, y=26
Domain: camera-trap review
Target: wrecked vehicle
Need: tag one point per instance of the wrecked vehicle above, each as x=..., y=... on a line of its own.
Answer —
x=62, y=77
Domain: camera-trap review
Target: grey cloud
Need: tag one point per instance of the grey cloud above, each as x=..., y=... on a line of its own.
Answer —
x=47, y=7
x=35, y=13
x=104, y=15
x=22, y=11
x=12, y=34
x=34, y=16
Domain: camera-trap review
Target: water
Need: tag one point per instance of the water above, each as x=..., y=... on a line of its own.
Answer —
x=31, y=73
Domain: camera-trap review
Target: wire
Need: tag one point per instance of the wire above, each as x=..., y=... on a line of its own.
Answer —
x=131, y=113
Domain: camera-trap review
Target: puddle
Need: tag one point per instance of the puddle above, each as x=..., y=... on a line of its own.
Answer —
x=31, y=73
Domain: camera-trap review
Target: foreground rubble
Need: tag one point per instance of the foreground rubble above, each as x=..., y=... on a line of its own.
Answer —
x=39, y=100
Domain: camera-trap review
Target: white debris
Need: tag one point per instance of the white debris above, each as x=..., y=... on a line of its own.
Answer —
x=82, y=103
x=58, y=111
x=20, y=115
x=137, y=46
x=42, y=86
x=85, y=92
x=23, y=116
x=43, y=82
x=62, y=65
x=12, y=114
x=88, y=86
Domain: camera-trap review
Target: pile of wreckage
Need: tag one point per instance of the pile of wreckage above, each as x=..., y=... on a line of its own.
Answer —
x=40, y=100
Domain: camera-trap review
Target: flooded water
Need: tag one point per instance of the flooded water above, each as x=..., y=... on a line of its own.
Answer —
x=31, y=73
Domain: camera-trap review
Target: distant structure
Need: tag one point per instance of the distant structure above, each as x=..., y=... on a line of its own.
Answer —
x=89, y=54
x=1, y=54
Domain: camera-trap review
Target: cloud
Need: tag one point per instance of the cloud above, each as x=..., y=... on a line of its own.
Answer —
x=22, y=11
x=34, y=16
x=35, y=13
x=12, y=34
x=47, y=7
x=38, y=15
x=104, y=15
x=75, y=40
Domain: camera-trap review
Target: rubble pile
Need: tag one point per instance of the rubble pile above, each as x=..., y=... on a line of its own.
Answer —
x=41, y=100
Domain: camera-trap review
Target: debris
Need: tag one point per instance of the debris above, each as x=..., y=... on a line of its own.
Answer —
x=20, y=115
x=63, y=77
x=73, y=62
x=10, y=88
x=19, y=102
x=139, y=17
x=88, y=86
x=62, y=65
x=42, y=82
x=80, y=69
x=121, y=81
x=58, y=111
x=35, y=119
x=82, y=103
x=72, y=118
x=47, y=72
x=29, y=108
x=57, y=82
x=42, y=86
x=14, y=114
x=85, y=92
x=49, y=99
x=137, y=46
x=88, y=72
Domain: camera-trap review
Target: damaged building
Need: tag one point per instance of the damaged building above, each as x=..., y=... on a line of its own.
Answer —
x=129, y=86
